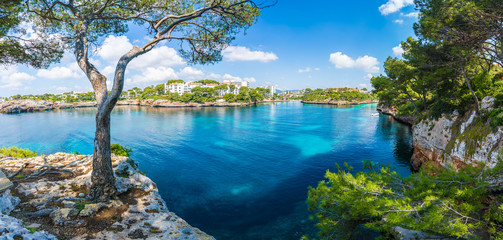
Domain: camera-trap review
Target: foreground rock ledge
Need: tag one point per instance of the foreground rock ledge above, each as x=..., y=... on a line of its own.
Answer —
x=49, y=196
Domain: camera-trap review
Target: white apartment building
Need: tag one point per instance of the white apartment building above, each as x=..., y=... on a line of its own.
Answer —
x=237, y=83
x=175, y=88
x=182, y=88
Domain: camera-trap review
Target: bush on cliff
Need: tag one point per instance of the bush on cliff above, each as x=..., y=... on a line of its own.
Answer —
x=17, y=152
x=119, y=150
x=452, y=203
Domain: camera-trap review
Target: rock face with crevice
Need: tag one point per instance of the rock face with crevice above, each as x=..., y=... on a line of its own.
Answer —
x=47, y=195
x=455, y=141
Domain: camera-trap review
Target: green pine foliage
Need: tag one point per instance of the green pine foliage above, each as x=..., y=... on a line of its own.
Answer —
x=17, y=152
x=336, y=94
x=119, y=150
x=462, y=204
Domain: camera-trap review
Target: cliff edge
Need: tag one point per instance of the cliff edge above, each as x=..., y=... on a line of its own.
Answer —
x=453, y=140
x=48, y=194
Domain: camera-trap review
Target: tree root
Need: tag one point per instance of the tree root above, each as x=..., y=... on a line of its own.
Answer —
x=18, y=171
x=47, y=169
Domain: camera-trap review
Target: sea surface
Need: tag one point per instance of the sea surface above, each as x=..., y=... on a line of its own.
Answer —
x=235, y=173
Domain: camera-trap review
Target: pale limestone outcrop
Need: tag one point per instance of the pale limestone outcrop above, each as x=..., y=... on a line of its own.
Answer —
x=52, y=201
x=20, y=106
x=405, y=234
x=392, y=111
x=455, y=141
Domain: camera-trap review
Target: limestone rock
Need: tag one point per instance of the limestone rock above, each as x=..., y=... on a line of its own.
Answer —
x=8, y=202
x=10, y=227
x=147, y=217
x=439, y=141
x=63, y=216
x=487, y=103
x=91, y=209
x=406, y=234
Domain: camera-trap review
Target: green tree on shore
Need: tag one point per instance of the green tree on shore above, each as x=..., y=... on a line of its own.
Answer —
x=203, y=28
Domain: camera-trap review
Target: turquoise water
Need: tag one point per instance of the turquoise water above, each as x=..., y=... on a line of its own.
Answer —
x=236, y=173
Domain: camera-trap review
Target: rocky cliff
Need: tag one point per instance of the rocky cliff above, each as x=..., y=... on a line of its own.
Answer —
x=454, y=140
x=49, y=195
x=409, y=120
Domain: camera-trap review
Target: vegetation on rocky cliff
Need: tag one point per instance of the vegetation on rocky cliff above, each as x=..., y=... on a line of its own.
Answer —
x=337, y=94
x=455, y=62
x=460, y=204
x=17, y=152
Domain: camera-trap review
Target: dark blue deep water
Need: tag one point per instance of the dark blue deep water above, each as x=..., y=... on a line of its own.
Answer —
x=236, y=173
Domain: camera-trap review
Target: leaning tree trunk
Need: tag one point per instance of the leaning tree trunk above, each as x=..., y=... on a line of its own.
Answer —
x=102, y=178
x=475, y=98
x=413, y=103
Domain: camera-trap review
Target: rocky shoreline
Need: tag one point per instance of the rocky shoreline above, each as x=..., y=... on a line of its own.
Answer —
x=20, y=106
x=341, y=102
x=409, y=120
x=49, y=192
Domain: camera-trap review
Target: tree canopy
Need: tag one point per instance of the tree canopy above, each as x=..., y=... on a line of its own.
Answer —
x=20, y=43
x=454, y=63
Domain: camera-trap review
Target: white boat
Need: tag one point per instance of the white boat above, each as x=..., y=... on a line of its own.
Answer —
x=374, y=114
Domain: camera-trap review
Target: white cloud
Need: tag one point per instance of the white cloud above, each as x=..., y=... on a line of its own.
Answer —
x=308, y=69
x=367, y=77
x=57, y=73
x=108, y=70
x=399, y=21
x=158, y=57
x=363, y=85
x=62, y=89
x=114, y=47
x=74, y=67
x=191, y=73
x=250, y=79
x=229, y=77
x=394, y=6
x=153, y=75
x=398, y=50
x=238, y=53
x=366, y=63
x=11, y=78
x=411, y=15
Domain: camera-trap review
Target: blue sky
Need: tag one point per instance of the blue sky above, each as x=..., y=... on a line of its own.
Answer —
x=294, y=45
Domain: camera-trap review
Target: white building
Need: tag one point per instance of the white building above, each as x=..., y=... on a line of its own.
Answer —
x=237, y=83
x=272, y=89
x=176, y=88
x=182, y=88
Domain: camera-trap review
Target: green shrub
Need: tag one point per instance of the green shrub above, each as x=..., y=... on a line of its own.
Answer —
x=17, y=152
x=450, y=203
x=119, y=150
x=122, y=174
x=494, y=118
x=80, y=205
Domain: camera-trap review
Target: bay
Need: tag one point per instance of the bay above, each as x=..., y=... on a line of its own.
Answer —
x=235, y=173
